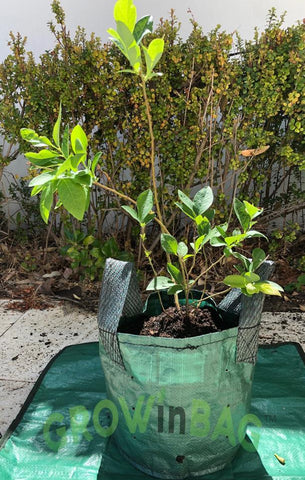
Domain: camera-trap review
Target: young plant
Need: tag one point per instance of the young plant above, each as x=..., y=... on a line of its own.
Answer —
x=67, y=173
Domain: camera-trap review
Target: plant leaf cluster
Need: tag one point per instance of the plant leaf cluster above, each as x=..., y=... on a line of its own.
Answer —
x=128, y=38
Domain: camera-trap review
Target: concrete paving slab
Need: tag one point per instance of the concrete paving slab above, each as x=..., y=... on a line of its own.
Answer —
x=7, y=317
x=12, y=397
x=283, y=327
x=30, y=343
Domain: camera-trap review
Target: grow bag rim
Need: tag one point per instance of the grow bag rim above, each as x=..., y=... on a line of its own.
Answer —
x=177, y=343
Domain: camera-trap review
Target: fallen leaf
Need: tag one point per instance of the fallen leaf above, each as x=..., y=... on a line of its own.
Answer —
x=302, y=308
x=67, y=273
x=280, y=459
x=252, y=152
x=51, y=275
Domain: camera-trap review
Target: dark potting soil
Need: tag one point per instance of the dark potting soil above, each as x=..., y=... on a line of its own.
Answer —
x=177, y=324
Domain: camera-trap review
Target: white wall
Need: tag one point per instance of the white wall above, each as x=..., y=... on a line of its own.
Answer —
x=30, y=17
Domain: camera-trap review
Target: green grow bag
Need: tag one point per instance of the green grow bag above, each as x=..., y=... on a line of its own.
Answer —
x=181, y=405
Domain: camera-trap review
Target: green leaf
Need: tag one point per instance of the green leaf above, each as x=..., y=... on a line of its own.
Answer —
x=186, y=210
x=155, y=50
x=242, y=214
x=187, y=205
x=243, y=259
x=79, y=140
x=142, y=27
x=175, y=289
x=88, y=198
x=127, y=70
x=83, y=177
x=251, y=277
x=198, y=243
x=76, y=160
x=258, y=257
x=131, y=211
x=35, y=190
x=125, y=12
x=215, y=242
x=56, y=128
x=227, y=252
x=204, y=228
x=88, y=240
x=251, y=288
x=175, y=273
x=222, y=231
x=66, y=165
x=269, y=288
x=182, y=249
x=159, y=283
x=145, y=203
x=252, y=211
x=31, y=136
x=148, y=218
x=42, y=179
x=210, y=214
x=152, y=55
x=235, y=281
x=46, y=201
x=95, y=161
x=203, y=200
x=65, y=142
x=44, y=158
x=255, y=233
x=128, y=46
x=189, y=255
x=169, y=243
x=73, y=197
x=235, y=239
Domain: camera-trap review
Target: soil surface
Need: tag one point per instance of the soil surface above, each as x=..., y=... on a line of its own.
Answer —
x=181, y=324
x=177, y=324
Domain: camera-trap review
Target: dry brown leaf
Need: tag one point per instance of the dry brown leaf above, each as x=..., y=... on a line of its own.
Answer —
x=252, y=152
x=280, y=459
x=302, y=308
x=286, y=298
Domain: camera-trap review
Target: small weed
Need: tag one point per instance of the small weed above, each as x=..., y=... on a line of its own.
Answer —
x=296, y=286
x=88, y=254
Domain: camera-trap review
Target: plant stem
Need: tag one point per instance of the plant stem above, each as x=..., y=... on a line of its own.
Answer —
x=159, y=217
x=211, y=266
x=148, y=256
x=152, y=155
x=218, y=293
x=115, y=192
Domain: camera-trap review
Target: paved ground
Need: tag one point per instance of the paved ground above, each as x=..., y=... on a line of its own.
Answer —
x=29, y=340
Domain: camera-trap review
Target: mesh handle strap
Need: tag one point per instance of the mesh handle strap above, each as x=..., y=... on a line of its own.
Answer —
x=120, y=296
x=250, y=311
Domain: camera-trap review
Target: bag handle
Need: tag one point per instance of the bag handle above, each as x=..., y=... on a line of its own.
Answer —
x=120, y=296
x=249, y=310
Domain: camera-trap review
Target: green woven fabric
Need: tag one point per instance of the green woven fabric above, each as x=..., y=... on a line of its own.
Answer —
x=192, y=387
x=199, y=384
x=75, y=379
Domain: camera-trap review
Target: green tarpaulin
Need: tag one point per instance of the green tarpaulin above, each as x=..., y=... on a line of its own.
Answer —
x=58, y=435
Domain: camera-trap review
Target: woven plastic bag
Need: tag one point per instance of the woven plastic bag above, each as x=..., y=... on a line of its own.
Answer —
x=178, y=406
